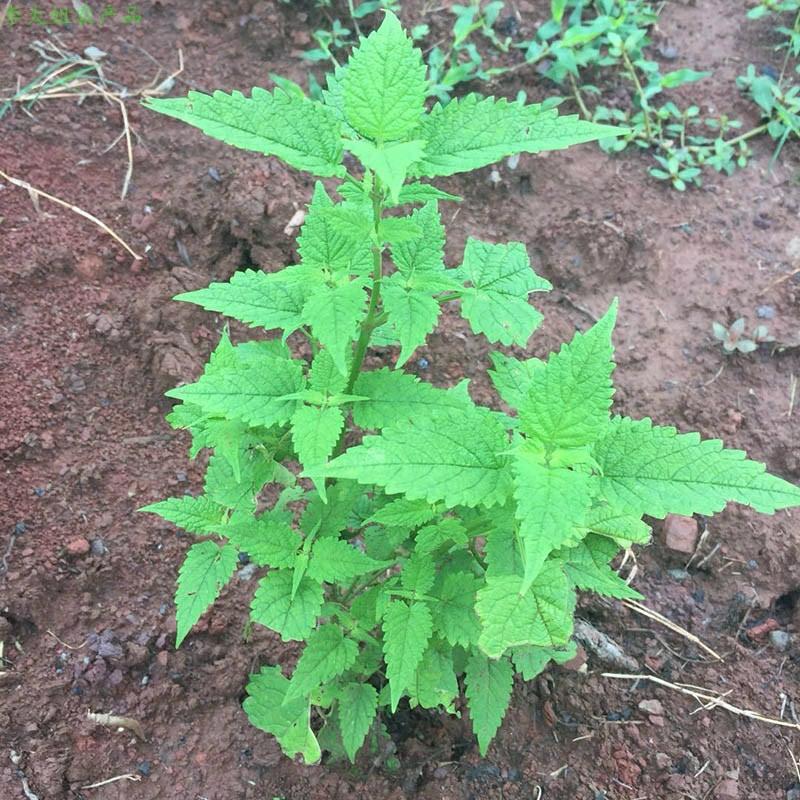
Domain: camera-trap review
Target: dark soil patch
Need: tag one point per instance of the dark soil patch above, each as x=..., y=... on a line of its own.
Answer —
x=90, y=341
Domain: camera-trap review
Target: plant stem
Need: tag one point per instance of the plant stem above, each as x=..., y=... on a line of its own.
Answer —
x=576, y=93
x=749, y=135
x=640, y=90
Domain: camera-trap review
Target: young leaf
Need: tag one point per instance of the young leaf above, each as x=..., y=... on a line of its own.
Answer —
x=222, y=487
x=495, y=302
x=455, y=455
x=258, y=392
x=292, y=617
x=358, y=703
x=334, y=314
x=549, y=131
x=569, y=399
x=390, y=162
x=384, y=84
x=315, y=432
x=268, y=708
x=205, y=571
x=193, y=514
x=624, y=528
x=327, y=654
x=435, y=682
x=447, y=531
x=403, y=512
x=511, y=616
x=551, y=504
x=488, y=693
x=406, y=631
x=394, y=396
x=647, y=469
x=260, y=299
x=423, y=255
x=530, y=661
x=335, y=560
x=331, y=518
x=412, y=313
x=418, y=574
x=304, y=134
x=586, y=565
x=323, y=244
x=513, y=378
x=269, y=540
x=423, y=193
x=324, y=376
x=454, y=614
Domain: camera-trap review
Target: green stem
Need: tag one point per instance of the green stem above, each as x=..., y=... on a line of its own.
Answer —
x=372, y=319
x=576, y=93
x=640, y=90
x=749, y=135
x=788, y=53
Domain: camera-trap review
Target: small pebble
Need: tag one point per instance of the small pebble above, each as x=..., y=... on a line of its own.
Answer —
x=678, y=574
x=668, y=52
x=769, y=71
x=78, y=547
x=423, y=363
x=143, y=768
x=244, y=558
x=652, y=707
x=20, y=528
x=98, y=547
x=246, y=572
x=765, y=312
x=780, y=640
x=39, y=491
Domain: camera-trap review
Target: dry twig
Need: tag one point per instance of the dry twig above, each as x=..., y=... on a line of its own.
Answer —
x=636, y=606
x=34, y=192
x=708, y=698
x=109, y=720
x=128, y=776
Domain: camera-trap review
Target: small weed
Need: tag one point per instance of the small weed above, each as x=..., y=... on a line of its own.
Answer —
x=734, y=340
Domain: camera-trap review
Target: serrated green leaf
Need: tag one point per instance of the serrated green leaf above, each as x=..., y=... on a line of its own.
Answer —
x=471, y=132
x=569, y=399
x=454, y=613
x=513, y=378
x=424, y=193
x=413, y=315
x=398, y=229
x=394, y=396
x=304, y=134
x=435, y=682
x=269, y=540
x=206, y=569
x=447, y=531
x=406, y=631
x=551, y=503
x=221, y=485
x=587, y=566
x=358, y=703
x=503, y=556
x=330, y=518
x=254, y=391
x=315, y=432
x=403, y=512
x=511, y=617
x=260, y=299
x=324, y=376
x=335, y=313
x=488, y=693
x=288, y=722
x=418, y=574
x=530, y=661
x=335, y=560
x=327, y=654
x=455, y=455
x=424, y=254
x=625, y=528
x=384, y=84
x=293, y=617
x=390, y=162
x=495, y=301
x=647, y=469
x=193, y=514
x=324, y=245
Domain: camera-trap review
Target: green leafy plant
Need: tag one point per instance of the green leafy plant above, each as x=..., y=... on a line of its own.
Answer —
x=420, y=544
x=733, y=336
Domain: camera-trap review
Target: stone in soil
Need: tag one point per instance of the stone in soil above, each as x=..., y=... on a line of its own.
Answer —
x=652, y=707
x=680, y=533
x=780, y=640
x=78, y=547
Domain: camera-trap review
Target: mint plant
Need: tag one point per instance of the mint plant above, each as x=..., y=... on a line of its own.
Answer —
x=420, y=544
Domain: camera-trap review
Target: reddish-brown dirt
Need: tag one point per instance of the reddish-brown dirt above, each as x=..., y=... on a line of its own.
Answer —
x=90, y=341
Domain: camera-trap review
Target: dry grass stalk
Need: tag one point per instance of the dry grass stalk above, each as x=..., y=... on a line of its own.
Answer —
x=708, y=698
